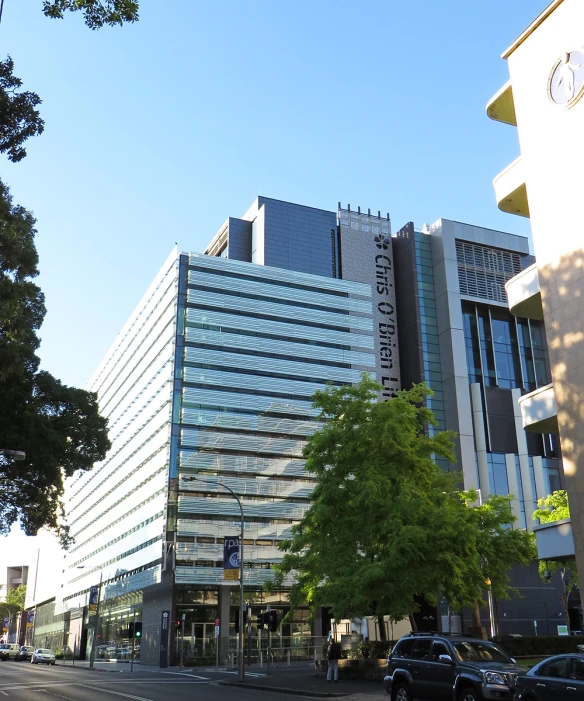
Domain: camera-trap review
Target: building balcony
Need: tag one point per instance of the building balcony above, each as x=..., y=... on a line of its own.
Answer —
x=539, y=412
x=524, y=294
x=555, y=540
x=501, y=107
x=510, y=189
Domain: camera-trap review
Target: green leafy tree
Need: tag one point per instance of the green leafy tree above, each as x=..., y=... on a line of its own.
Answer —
x=16, y=597
x=58, y=427
x=499, y=546
x=19, y=118
x=386, y=524
x=555, y=507
x=95, y=12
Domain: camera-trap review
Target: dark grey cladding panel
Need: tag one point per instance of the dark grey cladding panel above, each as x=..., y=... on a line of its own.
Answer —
x=239, y=240
x=411, y=358
x=298, y=237
x=501, y=418
x=367, y=256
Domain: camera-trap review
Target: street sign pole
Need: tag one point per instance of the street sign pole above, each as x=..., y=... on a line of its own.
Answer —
x=133, y=643
x=182, y=639
x=269, y=637
x=217, y=630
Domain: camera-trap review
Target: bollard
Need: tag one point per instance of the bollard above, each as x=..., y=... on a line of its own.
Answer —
x=288, y=658
x=261, y=658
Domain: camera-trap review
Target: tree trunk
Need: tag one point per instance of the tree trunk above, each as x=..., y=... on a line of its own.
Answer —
x=381, y=625
x=476, y=615
x=413, y=623
x=565, y=598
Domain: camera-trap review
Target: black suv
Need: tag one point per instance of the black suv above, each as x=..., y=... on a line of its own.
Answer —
x=439, y=667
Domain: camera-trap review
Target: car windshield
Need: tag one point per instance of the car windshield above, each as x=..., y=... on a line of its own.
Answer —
x=46, y=652
x=477, y=651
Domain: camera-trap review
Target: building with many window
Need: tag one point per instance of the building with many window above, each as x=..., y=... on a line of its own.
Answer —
x=543, y=99
x=211, y=380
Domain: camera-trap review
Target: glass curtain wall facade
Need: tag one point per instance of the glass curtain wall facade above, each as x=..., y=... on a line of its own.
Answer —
x=117, y=511
x=258, y=343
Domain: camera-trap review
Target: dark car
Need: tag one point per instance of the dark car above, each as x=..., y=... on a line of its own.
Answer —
x=438, y=667
x=553, y=679
x=25, y=653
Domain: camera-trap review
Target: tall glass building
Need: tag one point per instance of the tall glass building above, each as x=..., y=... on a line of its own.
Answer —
x=213, y=377
x=479, y=360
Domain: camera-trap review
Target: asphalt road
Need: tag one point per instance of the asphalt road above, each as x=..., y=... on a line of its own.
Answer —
x=21, y=681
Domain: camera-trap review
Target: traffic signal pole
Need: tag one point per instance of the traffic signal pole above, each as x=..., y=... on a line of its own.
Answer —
x=269, y=637
x=133, y=643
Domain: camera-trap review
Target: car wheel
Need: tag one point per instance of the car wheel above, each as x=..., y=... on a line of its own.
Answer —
x=401, y=692
x=469, y=694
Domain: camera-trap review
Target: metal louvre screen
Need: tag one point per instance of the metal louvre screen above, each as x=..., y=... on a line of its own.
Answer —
x=483, y=271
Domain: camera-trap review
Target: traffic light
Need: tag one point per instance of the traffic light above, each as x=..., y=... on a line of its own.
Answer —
x=178, y=625
x=138, y=629
x=131, y=630
x=272, y=621
x=261, y=620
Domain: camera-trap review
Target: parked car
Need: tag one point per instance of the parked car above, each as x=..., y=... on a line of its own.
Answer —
x=439, y=667
x=558, y=677
x=8, y=651
x=25, y=653
x=43, y=655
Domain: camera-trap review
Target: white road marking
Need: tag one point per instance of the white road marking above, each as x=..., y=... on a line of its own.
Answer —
x=115, y=693
x=3, y=692
x=188, y=674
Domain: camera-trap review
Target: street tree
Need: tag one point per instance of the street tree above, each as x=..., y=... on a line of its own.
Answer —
x=386, y=525
x=58, y=427
x=555, y=507
x=96, y=13
x=19, y=118
x=499, y=546
x=16, y=597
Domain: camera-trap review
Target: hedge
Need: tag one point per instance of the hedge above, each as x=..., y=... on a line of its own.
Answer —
x=539, y=646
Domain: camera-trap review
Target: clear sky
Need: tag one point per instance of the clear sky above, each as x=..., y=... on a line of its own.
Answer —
x=158, y=131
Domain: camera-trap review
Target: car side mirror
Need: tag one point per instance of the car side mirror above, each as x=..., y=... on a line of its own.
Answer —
x=513, y=660
x=446, y=659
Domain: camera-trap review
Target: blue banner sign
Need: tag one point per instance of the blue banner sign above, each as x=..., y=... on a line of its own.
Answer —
x=231, y=558
x=93, y=596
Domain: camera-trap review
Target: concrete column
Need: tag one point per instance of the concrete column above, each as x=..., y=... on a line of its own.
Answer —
x=539, y=477
x=528, y=496
x=513, y=488
x=480, y=439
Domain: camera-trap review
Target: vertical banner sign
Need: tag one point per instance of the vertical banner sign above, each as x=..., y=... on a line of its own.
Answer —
x=30, y=619
x=367, y=257
x=5, y=623
x=231, y=558
x=164, y=637
x=93, y=599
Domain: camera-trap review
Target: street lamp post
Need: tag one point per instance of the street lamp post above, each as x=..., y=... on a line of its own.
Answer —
x=491, y=611
x=240, y=662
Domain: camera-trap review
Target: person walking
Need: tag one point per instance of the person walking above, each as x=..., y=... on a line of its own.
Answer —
x=334, y=655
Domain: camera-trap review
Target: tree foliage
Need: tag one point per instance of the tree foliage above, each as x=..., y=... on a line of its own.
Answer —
x=16, y=597
x=96, y=13
x=58, y=427
x=499, y=545
x=555, y=507
x=19, y=118
x=386, y=525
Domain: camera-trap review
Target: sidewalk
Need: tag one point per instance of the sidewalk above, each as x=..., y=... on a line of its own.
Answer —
x=306, y=682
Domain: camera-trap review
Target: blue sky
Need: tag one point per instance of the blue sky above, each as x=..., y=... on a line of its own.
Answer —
x=157, y=132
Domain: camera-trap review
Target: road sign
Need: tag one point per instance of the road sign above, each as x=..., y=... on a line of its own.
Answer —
x=217, y=627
